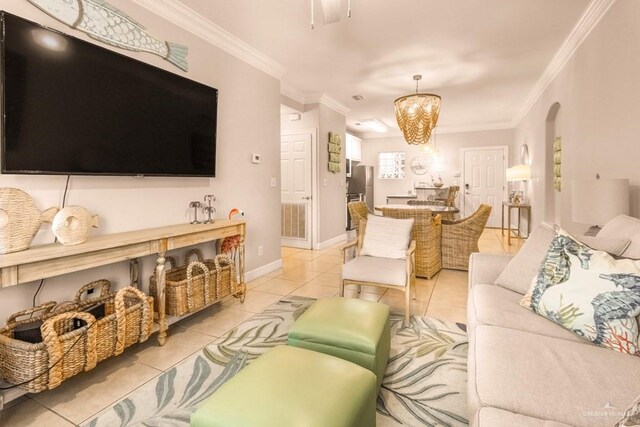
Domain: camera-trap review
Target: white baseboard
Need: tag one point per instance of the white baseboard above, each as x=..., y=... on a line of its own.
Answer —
x=261, y=271
x=328, y=243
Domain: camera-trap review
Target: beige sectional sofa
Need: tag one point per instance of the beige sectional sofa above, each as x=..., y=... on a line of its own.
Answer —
x=527, y=371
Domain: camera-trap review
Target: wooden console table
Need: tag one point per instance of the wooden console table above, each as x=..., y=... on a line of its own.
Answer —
x=41, y=262
x=520, y=207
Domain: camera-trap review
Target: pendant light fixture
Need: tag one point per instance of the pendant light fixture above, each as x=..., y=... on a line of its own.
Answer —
x=417, y=114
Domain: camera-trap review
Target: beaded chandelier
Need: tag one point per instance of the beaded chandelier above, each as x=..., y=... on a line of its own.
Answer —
x=417, y=115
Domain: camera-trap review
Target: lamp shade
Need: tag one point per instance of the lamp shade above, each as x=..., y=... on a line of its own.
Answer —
x=596, y=201
x=519, y=173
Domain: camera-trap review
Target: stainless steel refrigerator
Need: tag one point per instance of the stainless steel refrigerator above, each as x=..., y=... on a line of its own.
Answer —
x=361, y=181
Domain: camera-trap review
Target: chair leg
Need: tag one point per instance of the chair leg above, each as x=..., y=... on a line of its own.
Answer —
x=359, y=289
x=407, y=307
x=341, y=288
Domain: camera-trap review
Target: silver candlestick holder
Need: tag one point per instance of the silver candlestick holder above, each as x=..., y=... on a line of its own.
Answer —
x=195, y=205
x=209, y=209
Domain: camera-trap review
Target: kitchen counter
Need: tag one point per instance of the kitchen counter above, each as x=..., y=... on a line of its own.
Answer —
x=401, y=196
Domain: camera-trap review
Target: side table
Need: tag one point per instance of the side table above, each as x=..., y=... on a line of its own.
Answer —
x=520, y=207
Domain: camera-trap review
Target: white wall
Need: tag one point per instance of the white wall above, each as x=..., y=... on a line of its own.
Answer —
x=599, y=117
x=448, y=145
x=125, y=203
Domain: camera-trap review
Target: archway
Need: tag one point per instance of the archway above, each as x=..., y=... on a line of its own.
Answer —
x=552, y=209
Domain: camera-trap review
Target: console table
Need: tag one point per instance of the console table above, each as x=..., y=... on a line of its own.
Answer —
x=41, y=262
x=520, y=207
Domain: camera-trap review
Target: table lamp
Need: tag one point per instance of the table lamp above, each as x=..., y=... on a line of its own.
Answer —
x=596, y=201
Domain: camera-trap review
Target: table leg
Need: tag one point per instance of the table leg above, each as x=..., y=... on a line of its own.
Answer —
x=528, y=222
x=502, y=220
x=508, y=225
x=519, y=218
x=160, y=282
x=243, y=286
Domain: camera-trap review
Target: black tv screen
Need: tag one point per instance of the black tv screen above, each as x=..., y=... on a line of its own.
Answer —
x=71, y=107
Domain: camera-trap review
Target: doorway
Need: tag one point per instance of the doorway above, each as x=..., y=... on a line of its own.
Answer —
x=297, y=192
x=483, y=180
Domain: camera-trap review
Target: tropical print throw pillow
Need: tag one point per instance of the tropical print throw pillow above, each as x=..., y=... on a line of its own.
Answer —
x=589, y=293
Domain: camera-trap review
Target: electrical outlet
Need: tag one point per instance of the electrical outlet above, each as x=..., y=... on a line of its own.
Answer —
x=260, y=250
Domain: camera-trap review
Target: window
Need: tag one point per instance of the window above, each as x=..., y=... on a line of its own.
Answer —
x=391, y=165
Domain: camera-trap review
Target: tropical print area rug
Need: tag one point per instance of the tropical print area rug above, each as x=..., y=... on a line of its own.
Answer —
x=425, y=382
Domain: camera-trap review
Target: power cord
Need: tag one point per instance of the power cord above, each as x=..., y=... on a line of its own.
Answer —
x=64, y=202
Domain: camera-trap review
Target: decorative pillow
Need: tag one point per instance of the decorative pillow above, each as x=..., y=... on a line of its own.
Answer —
x=517, y=275
x=615, y=247
x=624, y=227
x=631, y=415
x=590, y=293
x=387, y=237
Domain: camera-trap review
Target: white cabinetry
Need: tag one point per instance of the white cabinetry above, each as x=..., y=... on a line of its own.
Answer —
x=354, y=148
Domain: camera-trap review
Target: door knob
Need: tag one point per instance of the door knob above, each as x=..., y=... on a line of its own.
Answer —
x=466, y=186
x=306, y=198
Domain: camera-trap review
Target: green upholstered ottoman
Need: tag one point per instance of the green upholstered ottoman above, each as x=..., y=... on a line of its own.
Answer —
x=287, y=387
x=351, y=329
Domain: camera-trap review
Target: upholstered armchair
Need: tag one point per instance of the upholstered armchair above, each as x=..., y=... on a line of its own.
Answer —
x=460, y=238
x=427, y=234
x=385, y=257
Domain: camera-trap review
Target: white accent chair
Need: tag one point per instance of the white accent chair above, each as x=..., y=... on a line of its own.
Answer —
x=390, y=271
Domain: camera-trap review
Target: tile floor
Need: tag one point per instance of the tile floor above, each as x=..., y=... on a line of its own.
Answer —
x=306, y=273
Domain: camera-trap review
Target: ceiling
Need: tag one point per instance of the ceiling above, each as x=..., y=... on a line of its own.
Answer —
x=483, y=57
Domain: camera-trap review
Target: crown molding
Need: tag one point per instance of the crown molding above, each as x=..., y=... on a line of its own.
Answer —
x=291, y=92
x=193, y=22
x=328, y=102
x=587, y=22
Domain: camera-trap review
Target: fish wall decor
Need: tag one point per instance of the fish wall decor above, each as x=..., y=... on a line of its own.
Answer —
x=103, y=22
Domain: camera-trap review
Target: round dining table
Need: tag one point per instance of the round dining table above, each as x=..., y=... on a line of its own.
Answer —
x=433, y=208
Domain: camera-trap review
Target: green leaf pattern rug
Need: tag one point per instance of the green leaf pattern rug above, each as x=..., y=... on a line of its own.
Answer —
x=425, y=382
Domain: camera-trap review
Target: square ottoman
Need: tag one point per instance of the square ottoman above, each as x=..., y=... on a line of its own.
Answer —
x=287, y=387
x=348, y=328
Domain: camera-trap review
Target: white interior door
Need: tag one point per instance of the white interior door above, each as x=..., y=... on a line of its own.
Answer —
x=295, y=159
x=484, y=181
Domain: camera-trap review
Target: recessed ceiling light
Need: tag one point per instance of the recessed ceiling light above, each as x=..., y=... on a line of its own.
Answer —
x=358, y=97
x=376, y=125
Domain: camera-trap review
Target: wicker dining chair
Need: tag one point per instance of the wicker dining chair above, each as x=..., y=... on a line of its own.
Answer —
x=358, y=211
x=450, y=200
x=427, y=234
x=460, y=238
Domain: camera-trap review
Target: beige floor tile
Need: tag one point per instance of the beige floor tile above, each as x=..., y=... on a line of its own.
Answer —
x=30, y=413
x=86, y=394
x=279, y=286
x=378, y=290
x=255, y=301
x=291, y=264
x=215, y=321
x=453, y=276
x=300, y=274
x=396, y=303
x=332, y=259
x=314, y=291
x=305, y=255
x=452, y=293
x=275, y=273
x=335, y=269
x=259, y=281
x=423, y=289
x=180, y=344
x=321, y=266
x=287, y=251
x=352, y=293
x=326, y=279
x=446, y=312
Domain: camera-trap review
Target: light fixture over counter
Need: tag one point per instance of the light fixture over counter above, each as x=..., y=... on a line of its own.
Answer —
x=417, y=114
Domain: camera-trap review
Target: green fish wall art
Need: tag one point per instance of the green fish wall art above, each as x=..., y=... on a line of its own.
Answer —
x=103, y=22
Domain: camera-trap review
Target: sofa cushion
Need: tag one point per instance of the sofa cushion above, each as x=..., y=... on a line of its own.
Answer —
x=485, y=268
x=624, y=227
x=613, y=246
x=492, y=417
x=378, y=270
x=387, y=237
x=550, y=378
x=590, y=293
x=521, y=270
x=496, y=306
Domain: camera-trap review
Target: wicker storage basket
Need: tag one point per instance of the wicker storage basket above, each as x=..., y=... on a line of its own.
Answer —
x=67, y=348
x=194, y=285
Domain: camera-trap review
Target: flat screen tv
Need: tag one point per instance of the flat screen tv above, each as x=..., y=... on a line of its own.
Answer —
x=72, y=107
